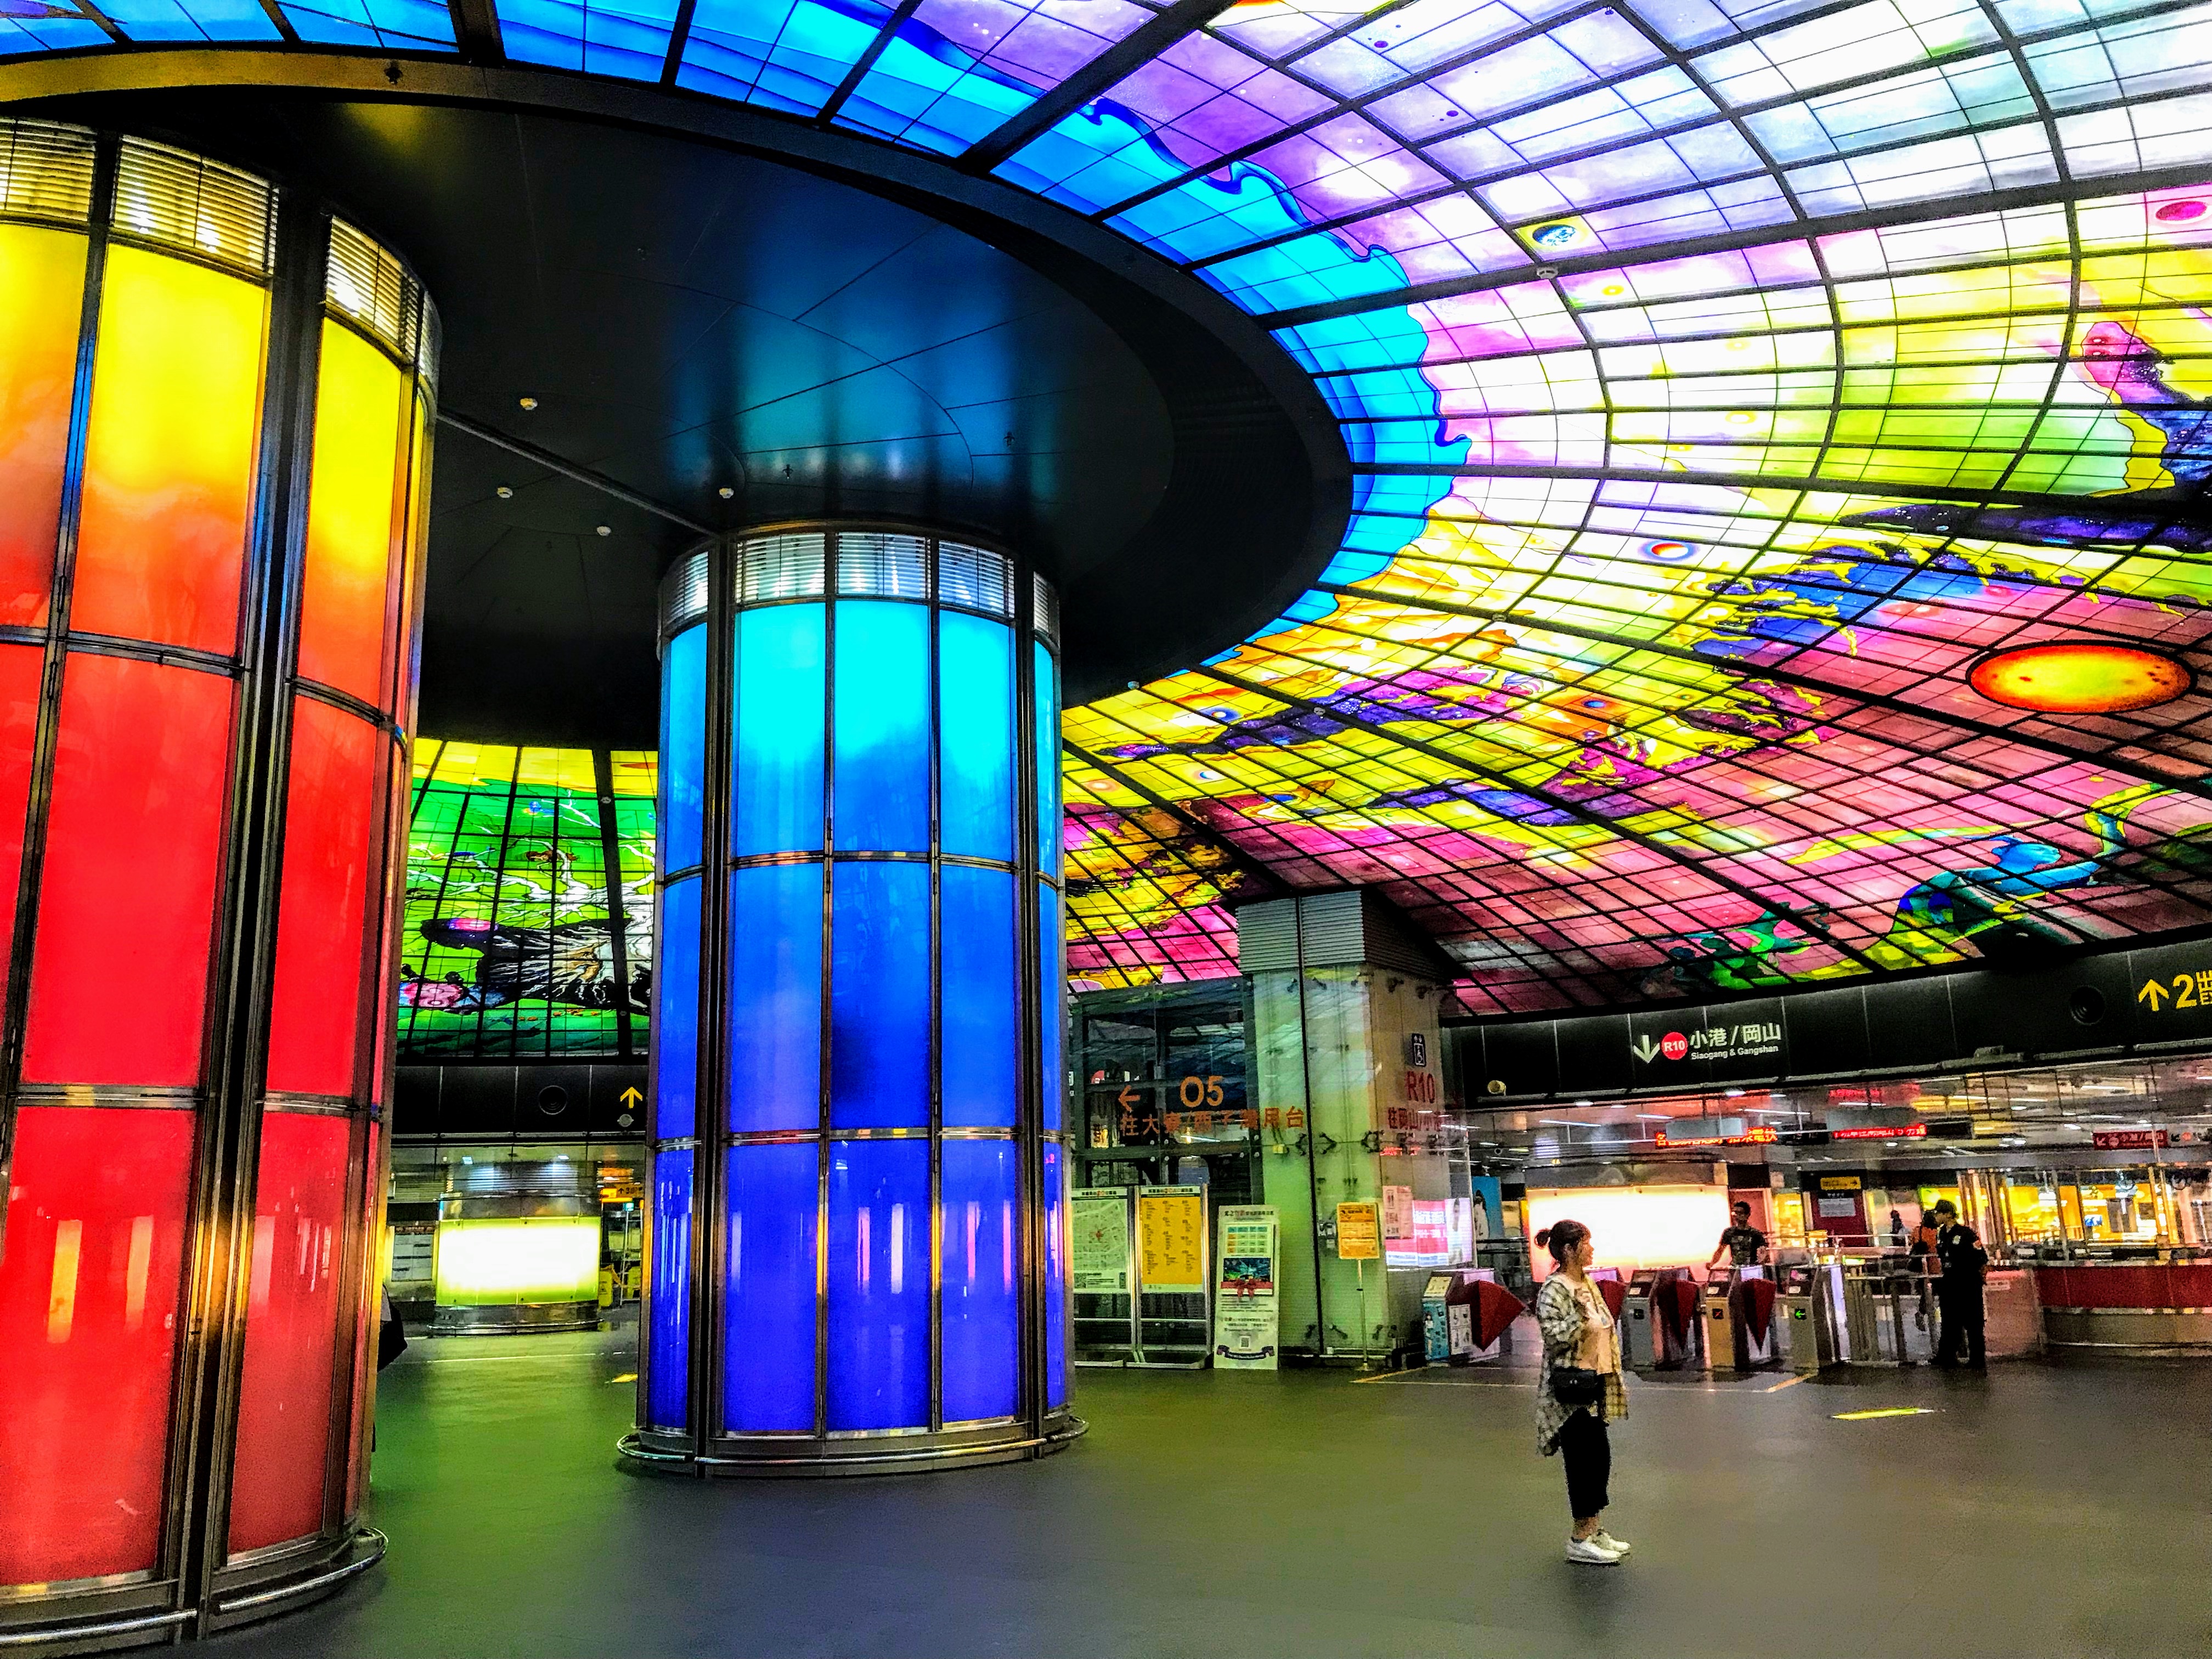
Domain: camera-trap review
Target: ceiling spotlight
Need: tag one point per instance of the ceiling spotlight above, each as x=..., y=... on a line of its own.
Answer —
x=528, y=403
x=505, y=493
x=726, y=492
x=606, y=530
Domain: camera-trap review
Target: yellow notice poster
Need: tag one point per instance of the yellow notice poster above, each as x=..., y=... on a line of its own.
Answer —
x=1172, y=1237
x=1359, y=1233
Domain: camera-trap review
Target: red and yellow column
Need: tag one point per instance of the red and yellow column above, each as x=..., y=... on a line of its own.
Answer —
x=214, y=415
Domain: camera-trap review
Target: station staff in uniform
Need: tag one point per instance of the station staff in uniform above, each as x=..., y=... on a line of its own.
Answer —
x=1963, y=1261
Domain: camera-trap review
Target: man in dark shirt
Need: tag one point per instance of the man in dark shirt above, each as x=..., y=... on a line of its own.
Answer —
x=1741, y=1241
x=1962, y=1260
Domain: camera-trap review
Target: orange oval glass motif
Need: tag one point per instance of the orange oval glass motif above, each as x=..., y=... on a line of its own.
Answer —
x=2079, y=679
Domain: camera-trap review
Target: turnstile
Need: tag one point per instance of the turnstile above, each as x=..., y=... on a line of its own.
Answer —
x=1636, y=1321
x=1812, y=1308
x=1739, y=1309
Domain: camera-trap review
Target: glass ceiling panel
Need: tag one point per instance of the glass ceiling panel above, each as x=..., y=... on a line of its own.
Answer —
x=1776, y=430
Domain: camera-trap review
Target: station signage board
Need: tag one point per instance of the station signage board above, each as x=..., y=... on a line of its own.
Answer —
x=1761, y=1136
x=2129, y=1140
x=1359, y=1233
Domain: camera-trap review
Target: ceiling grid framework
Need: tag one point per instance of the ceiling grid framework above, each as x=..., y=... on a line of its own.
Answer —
x=1723, y=382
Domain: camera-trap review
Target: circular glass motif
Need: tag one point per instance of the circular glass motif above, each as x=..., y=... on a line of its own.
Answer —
x=2079, y=679
x=1555, y=235
x=2174, y=211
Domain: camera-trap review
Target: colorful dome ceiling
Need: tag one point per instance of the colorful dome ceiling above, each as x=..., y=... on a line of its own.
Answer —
x=1733, y=389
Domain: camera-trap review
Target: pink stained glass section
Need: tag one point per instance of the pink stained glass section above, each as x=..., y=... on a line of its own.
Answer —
x=91, y=1275
x=280, y=1463
x=330, y=873
x=133, y=857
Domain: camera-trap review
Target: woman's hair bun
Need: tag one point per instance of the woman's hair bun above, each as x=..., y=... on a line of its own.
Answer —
x=1562, y=1238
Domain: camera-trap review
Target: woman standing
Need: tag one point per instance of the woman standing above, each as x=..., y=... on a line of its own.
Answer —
x=1581, y=1361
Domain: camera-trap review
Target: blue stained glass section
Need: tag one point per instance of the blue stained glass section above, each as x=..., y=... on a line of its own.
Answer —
x=391, y=25
x=629, y=38
x=926, y=91
x=782, y=54
x=1047, y=694
x=668, y=1296
x=1052, y=984
x=879, y=997
x=768, y=1368
x=775, y=997
x=675, y=1077
x=882, y=726
x=880, y=1215
x=683, y=748
x=980, y=1317
x=195, y=20
x=975, y=730
x=1055, y=1278
x=778, y=719
x=981, y=1003
x=19, y=35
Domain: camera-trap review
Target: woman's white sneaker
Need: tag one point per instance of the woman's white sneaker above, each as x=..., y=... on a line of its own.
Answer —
x=1605, y=1539
x=1591, y=1552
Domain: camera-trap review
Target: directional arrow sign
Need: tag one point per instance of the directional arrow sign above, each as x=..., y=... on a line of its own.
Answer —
x=630, y=1096
x=1644, y=1049
x=1128, y=1097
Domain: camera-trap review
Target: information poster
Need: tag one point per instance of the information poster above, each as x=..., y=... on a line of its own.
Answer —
x=1359, y=1233
x=1397, y=1212
x=1171, y=1238
x=1098, y=1262
x=1245, y=1310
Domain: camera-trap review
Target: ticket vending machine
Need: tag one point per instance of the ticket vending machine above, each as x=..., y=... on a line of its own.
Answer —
x=1739, y=1308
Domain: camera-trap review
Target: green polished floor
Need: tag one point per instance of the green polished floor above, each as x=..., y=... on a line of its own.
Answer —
x=2045, y=1510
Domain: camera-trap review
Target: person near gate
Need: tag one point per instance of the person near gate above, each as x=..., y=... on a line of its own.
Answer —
x=1924, y=1263
x=1962, y=1262
x=1741, y=1241
x=1579, y=1388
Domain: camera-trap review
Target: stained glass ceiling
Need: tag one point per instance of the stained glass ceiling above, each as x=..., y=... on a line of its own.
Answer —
x=1736, y=391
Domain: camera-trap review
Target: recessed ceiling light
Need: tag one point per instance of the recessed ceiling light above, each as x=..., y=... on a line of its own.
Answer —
x=527, y=402
x=505, y=493
x=606, y=530
x=1582, y=1103
x=726, y=492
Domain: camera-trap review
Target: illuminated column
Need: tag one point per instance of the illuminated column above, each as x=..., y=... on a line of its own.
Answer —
x=214, y=448
x=856, y=1255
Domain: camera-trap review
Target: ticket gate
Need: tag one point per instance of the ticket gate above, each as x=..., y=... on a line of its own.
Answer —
x=1739, y=1309
x=1636, y=1322
x=1812, y=1307
x=1660, y=1325
x=1465, y=1314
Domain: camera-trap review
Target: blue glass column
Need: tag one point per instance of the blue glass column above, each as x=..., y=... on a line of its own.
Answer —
x=857, y=1249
